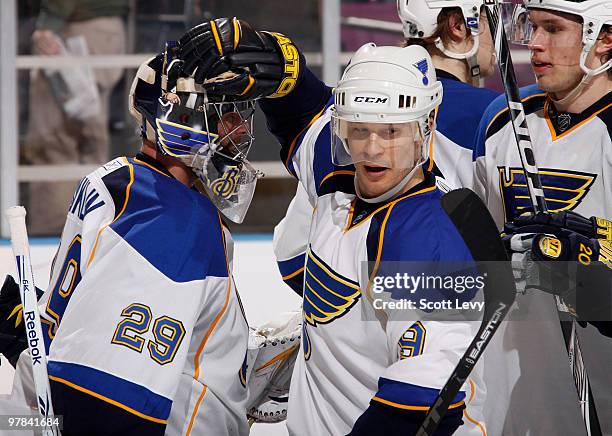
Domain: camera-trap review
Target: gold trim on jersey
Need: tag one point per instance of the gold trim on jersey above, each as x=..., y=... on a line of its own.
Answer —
x=195, y=409
x=409, y=407
x=553, y=133
x=196, y=359
x=125, y=203
x=293, y=274
x=284, y=356
x=390, y=204
x=108, y=400
x=336, y=173
x=478, y=424
x=294, y=142
x=498, y=114
x=140, y=162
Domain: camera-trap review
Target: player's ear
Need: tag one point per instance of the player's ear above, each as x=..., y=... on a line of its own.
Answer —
x=603, y=46
x=456, y=27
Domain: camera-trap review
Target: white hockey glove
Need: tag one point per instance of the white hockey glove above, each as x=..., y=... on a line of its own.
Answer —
x=273, y=348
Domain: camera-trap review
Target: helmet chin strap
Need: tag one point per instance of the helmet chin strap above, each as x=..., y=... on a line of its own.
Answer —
x=470, y=56
x=589, y=73
x=391, y=192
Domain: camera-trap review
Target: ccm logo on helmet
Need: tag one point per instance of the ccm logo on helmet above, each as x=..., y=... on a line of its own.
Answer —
x=364, y=99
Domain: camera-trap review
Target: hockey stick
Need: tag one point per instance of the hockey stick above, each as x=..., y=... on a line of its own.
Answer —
x=19, y=241
x=538, y=201
x=479, y=232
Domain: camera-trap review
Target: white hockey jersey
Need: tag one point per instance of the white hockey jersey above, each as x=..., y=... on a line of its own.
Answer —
x=526, y=365
x=353, y=352
x=143, y=324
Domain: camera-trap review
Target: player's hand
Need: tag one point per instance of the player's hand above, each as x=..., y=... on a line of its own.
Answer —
x=12, y=330
x=45, y=42
x=567, y=264
x=554, y=222
x=273, y=348
x=266, y=64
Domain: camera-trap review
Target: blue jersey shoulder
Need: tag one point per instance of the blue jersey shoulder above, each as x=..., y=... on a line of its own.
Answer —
x=461, y=109
x=418, y=229
x=497, y=112
x=176, y=229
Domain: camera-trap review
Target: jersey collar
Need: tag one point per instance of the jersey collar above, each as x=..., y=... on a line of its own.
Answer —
x=360, y=210
x=441, y=74
x=151, y=162
x=561, y=123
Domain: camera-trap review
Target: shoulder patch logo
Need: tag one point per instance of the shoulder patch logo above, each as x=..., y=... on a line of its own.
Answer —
x=563, y=189
x=423, y=67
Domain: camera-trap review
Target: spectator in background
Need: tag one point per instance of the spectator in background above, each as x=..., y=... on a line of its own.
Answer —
x=54, y=135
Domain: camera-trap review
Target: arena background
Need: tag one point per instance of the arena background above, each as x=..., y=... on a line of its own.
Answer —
x=328, y=31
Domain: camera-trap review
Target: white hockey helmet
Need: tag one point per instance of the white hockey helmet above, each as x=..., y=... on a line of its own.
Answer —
x=420, y=18
x=595, y=14
x=386, y=89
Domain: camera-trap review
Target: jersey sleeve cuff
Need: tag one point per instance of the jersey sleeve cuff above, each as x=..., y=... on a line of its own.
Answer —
x=410, y=397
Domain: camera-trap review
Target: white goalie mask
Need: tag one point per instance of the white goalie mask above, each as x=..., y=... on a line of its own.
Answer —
x=213, y=138
x=420, y=18
x=208, y=134
x=384, y=108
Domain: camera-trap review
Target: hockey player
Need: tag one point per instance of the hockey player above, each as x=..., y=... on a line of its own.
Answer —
x=568, y=114
x=142, y=321
x=457, y=36
x=361, y=369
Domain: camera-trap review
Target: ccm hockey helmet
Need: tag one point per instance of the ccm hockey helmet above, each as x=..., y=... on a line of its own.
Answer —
x=384, y=108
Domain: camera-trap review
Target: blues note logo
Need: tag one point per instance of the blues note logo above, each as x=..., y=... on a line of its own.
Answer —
x=327, y=296
x=423, y=67
x=564, y=190
x=225, y=185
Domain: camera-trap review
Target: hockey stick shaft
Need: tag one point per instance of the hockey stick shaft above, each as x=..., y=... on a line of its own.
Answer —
x=472, y=219
x=462, y=370
x=19, y=242
x=515, y=108
x=538, y=202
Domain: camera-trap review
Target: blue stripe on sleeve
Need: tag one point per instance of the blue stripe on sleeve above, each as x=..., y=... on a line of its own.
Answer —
x=290, y=266
x=131, y=395
x=409, y=395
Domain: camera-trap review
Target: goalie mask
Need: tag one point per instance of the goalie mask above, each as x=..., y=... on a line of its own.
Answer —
x=384, y=110
x=209, y=135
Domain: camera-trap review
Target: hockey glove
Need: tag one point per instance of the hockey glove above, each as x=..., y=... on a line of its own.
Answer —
x=273, y=348
x=547, y=222
x=267, y=64
x=12, y=330
x=565, y=263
